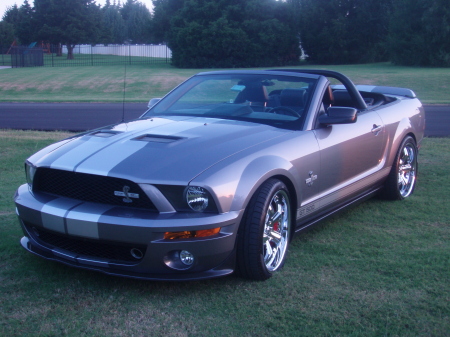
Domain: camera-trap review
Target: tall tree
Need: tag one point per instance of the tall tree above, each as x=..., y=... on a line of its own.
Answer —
x=238, y=33
x=22, y=20
x=7, y=34
x=420, y=33
x=137, y=19
x=344, y=31
x=11, y=14
x=163, y=12
x=69, y=22
x=113, y=25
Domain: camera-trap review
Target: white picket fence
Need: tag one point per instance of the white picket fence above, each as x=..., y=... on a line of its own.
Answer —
x=148, y=50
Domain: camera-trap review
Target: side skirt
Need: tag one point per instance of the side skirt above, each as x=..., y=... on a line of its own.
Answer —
x=303, y=225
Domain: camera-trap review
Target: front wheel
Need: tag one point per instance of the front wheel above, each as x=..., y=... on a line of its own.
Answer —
x=402, y=179
x=265, y=231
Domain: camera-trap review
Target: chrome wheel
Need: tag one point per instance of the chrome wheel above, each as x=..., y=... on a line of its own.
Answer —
x=264, y=233
x=276, y=231
x=407, y=165
x=402, y=178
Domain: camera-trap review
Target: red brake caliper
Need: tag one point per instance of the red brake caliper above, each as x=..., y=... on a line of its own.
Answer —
x=275, y=226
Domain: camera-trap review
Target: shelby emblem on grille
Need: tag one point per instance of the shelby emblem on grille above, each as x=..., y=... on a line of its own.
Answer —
x=125, y=193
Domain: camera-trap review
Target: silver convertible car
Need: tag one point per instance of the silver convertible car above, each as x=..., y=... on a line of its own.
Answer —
x=219, y=174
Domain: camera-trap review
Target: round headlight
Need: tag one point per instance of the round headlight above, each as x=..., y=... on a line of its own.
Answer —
x=197, y=198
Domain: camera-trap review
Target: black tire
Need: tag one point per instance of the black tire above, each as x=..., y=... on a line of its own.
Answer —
x=401, y=181
x=264, y=233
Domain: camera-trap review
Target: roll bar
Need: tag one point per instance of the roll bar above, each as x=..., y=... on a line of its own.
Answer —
x=354, y=93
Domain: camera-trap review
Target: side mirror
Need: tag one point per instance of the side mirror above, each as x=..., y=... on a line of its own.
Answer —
x=338, y=115
x=152, y=102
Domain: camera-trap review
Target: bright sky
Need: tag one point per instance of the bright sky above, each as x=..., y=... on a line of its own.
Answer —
x=4, y=4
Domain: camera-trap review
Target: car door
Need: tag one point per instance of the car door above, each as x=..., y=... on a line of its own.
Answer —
x=350, y=156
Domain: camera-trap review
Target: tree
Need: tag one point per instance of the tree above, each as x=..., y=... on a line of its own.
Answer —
x=137, y=19
x=113, y=25
x=239, y=33
x=7, y=33
x=344, y=31
x=68, y=22
x=11, y=15
x=163, y=12
x=22, y=20
x=420, y=33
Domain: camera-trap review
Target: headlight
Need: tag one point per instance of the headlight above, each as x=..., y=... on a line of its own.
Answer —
x=197, y=198
x=188, y=199
x=30, y=171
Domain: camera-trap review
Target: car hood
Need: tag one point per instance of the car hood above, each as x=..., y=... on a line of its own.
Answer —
x=159, y=150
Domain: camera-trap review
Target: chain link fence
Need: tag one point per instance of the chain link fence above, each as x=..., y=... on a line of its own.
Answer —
x=47, y=55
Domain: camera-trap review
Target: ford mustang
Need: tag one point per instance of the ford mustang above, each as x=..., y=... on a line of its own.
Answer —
x=220, y=174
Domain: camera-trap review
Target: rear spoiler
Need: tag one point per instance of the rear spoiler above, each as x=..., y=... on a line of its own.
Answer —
x=382, y=90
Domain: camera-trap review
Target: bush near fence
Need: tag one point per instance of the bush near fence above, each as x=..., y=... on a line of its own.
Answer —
x=84, y=55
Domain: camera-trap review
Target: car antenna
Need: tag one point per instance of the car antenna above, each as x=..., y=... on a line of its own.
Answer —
x=124, y=89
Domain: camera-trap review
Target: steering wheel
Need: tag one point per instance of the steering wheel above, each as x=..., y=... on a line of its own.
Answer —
x=286, y=109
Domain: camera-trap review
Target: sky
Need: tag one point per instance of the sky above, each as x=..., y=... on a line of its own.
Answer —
x=4, y=4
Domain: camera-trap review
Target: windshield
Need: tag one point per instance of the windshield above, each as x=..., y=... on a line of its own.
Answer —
x=277, y=100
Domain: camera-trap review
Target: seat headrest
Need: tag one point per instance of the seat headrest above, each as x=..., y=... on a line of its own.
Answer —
x=254, y=93
x=293, y=97
x=343, y=98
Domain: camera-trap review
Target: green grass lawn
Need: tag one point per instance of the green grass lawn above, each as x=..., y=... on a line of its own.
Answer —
x=378, y=269
x=106, y=83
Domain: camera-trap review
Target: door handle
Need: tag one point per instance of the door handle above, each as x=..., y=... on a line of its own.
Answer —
x=376, y=129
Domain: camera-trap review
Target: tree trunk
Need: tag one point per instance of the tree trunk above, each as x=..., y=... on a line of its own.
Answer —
x=59, y=50
x=70, y=51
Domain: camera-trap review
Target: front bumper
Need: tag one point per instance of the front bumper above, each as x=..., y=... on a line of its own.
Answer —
x=106, y=238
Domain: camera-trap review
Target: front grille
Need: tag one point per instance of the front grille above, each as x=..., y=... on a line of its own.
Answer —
x=89, y=187
x=114, y=252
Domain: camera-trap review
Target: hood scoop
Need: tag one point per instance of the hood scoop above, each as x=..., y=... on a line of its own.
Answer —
x=158, y=138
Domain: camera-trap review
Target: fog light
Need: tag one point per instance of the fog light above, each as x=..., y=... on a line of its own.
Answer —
x=186, y=257
x=179, y=259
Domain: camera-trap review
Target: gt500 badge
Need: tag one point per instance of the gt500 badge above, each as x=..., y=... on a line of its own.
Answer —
x=125, y=193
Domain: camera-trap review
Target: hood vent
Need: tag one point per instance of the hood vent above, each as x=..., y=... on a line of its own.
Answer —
x=158, y=138
x=105, y=133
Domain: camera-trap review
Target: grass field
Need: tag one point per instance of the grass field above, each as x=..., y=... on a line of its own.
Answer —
x=379, y=269
x=106, y=83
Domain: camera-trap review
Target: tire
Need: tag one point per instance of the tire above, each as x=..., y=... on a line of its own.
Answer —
x=402, y=178
x=265, y=232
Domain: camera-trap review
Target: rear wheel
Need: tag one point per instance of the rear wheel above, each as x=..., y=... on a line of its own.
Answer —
x=264, y=234
x=402, y=178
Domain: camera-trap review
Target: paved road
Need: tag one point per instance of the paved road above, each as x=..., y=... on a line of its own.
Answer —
x=65, y=116
x=86, y=116
x=437, y=120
